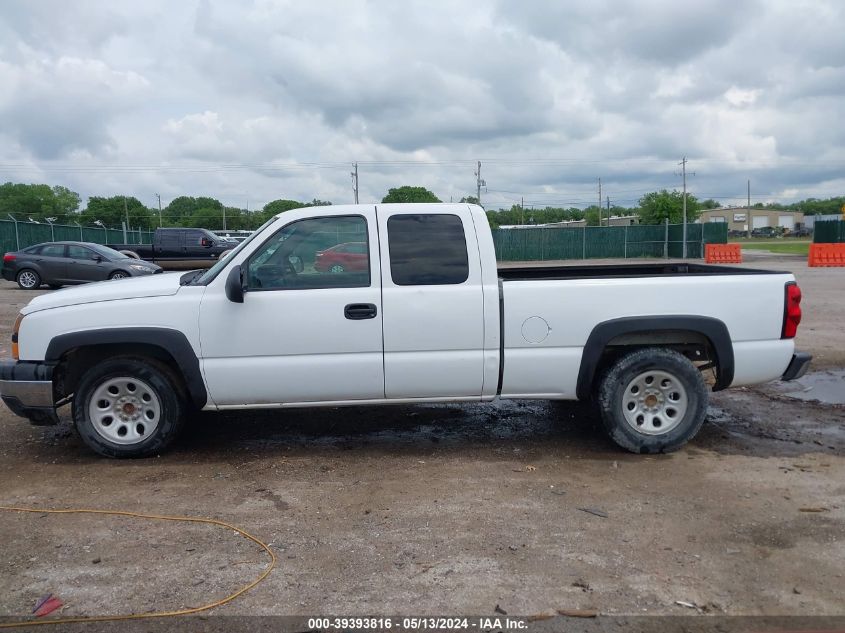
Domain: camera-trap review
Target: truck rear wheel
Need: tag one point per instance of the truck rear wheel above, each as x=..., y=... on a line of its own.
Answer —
x=128, y=407
x=652, y=400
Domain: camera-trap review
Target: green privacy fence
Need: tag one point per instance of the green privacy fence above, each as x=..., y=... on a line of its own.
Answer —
x=17, y=235
x=829, y=232
x=593, y=242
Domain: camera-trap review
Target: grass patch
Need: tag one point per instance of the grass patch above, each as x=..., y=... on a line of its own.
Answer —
x=780, y=246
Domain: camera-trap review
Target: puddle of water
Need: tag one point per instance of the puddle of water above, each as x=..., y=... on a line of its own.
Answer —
x=824, y=386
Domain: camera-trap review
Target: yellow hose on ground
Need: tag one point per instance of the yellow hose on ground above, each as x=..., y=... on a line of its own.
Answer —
x=157, y=614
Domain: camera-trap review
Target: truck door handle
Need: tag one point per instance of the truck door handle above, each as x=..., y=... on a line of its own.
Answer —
x=359, y=311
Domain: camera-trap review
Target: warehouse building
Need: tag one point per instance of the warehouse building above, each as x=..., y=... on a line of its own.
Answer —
x=739, y=218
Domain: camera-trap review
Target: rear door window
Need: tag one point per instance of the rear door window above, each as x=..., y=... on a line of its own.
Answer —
x=427, y=250
x=171, y=239
x=53, y=250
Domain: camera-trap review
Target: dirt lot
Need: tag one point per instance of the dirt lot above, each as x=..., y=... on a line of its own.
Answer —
x=447, y=509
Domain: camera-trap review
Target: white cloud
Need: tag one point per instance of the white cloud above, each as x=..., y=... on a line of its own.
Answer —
x=223, y=99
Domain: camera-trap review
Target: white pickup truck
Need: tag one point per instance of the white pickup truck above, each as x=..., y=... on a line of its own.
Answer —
x=397, y=304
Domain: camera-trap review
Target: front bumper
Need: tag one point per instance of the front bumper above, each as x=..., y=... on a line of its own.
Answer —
x=798, y=366
x=27, y=389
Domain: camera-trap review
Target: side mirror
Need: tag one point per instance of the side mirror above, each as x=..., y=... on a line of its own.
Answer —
x=205, y=242
x=235, y=285
x=98, y=258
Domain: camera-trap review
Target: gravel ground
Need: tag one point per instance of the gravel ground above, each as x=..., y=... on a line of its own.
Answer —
x=448, y=509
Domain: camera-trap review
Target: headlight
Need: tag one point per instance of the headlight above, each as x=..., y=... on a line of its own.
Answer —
x=140, y=268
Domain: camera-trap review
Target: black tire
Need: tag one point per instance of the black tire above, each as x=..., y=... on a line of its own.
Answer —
x=131, y=254
x=159, y=378
x=27, y=274
x=618, y=390
x=119, y=274
x=55, y=286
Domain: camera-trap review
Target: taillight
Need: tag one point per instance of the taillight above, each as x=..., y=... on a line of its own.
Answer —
x=791, y=310
x=8, y=257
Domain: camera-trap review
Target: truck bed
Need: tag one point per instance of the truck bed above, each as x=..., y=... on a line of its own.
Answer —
x=610, y=271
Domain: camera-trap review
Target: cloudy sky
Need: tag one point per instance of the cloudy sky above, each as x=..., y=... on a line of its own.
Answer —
x=252, y=101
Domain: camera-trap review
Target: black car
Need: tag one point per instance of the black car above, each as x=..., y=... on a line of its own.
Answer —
x=767, y=231
x=65, y=263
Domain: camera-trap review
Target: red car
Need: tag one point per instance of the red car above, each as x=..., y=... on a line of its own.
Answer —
x=349, y=257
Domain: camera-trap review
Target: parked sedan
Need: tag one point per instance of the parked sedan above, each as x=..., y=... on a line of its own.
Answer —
x=348, y=257
x=67, y=263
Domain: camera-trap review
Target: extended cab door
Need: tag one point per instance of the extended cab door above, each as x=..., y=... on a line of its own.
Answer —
x=433, y=302
x=304, y=333
x=169, y=244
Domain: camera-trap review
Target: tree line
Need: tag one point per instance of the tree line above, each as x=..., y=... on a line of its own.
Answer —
x=60, y=205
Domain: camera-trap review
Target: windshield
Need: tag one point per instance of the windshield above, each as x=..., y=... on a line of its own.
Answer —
x=105, y=251
x=212, y=272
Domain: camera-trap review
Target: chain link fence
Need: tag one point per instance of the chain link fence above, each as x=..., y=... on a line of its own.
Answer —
x=528, y=244
x=15, y=235
x=593, y=242
x=829, y=232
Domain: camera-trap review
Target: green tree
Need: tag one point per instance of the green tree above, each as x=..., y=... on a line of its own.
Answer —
x=37, y=201
x=280, y=206
x=202, y=212
x=493, y=219
x=111, y=212
x=410, y=194
x=470, y=200
x=656, y=206
x=709, y=204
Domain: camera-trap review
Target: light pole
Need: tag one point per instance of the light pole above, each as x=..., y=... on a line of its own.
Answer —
x=17, y=235
x=105, y=231
x=52, y=230
x=159, y=209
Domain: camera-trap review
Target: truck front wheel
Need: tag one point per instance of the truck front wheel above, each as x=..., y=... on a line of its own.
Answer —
x=652, y=400
x=128, y=407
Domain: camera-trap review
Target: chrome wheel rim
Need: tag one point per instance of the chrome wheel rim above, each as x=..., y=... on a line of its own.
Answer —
x=27, y=279
x=654, y=402
x=337, y=268
x=124, y=410
x=118, y=276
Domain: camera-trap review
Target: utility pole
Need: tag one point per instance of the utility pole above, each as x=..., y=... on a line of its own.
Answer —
x=608, y=210
x=522, y=210
x=479, y=183
x=683, y=165
x=354, y=175
x=748, y=210
x=126, y=211
x=599, y=201
x=159, y=209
